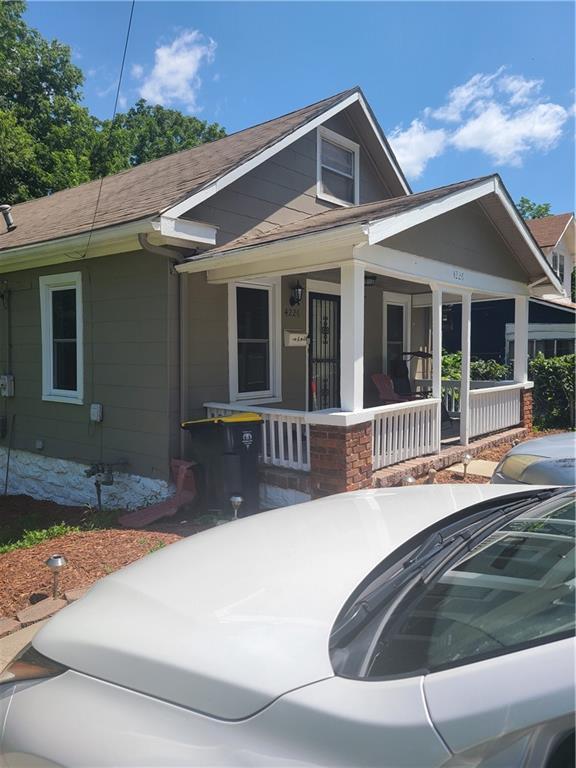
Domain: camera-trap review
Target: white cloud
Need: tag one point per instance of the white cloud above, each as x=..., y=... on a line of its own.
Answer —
x=416, y=146
x=502, y=115
x=506, y=137
x=174, y=79
x=470, y=95
x=137, y=71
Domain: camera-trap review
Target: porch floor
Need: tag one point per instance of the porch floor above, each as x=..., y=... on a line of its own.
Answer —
x=450, y=454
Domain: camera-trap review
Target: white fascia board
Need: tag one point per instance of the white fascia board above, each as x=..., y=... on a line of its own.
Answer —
x=384, y=228
x=307, y=246
x=393, y=162
x=185, y=230
x=421, y=269
x=100, y=242
x=236, y=173
x=522, y=228
x=570, y=220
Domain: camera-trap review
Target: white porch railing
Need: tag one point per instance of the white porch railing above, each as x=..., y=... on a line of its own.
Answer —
x=405, y=431
x=451, y=390
x=285, y=435
x=494, y=408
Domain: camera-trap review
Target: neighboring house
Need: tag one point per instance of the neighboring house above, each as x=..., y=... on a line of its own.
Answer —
x=552, y=315
x=275, y=270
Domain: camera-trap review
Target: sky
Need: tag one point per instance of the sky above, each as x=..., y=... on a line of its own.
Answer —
x=461, y=89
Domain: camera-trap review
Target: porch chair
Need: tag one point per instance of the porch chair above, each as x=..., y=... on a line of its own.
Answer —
x=386, y=391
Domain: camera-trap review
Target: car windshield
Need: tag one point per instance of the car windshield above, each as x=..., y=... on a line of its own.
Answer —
x=514, y=589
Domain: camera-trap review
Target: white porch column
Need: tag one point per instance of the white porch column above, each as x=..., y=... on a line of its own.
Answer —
x=352, y=336
x=437, y=354
x=521, y=339
x=465, y=370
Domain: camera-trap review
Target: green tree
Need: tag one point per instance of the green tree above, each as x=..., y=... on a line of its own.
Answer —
x=530, y=210
x=49, y=141
x=145, y=133
x=45, y=134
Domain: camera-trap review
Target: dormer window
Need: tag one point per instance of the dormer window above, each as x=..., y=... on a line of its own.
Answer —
x=338, y=165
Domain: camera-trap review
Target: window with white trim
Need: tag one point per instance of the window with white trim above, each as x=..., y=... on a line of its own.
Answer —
x=253, y=344
x=337, y=168
x=558, y=264
x=62, y=342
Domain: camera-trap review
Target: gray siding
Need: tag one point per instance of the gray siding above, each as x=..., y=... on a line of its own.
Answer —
x=464, y=237
x=126, y=367
x=283, y=189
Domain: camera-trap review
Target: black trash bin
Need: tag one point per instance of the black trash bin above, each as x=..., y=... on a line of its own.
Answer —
x=227, y=449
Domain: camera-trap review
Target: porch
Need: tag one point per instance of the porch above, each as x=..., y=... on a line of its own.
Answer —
x=316, y=321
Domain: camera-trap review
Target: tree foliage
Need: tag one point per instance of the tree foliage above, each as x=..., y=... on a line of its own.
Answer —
x=530, y=210
x=554, y=393
x=49, y=141
x=480, y=370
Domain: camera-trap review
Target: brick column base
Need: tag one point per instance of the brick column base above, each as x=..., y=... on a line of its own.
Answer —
x=340, y=458
x=526, y=410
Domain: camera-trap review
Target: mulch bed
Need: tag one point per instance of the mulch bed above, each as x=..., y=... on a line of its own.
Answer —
x=25, y=579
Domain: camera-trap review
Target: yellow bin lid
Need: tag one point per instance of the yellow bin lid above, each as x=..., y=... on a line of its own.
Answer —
x=236, y=418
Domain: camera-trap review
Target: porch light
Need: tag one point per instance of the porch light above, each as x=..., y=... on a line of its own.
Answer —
x=56, y=563
x=297, y=294
x=369, y=281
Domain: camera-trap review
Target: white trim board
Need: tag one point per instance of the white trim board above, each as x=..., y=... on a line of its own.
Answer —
x=228, y=178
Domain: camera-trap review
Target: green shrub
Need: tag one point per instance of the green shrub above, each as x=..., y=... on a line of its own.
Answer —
x=30, y=538
x=480, y=370
x=553, y=379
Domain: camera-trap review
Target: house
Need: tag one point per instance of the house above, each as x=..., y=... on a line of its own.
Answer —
x=551, y=315
x=275, y=270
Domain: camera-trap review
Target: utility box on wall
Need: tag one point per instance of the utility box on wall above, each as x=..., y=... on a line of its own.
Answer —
x=6, y=385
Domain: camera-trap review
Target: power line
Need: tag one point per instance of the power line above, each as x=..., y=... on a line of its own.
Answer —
x=111, y=125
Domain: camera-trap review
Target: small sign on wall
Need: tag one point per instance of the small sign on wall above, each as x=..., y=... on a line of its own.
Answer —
x=295, y=339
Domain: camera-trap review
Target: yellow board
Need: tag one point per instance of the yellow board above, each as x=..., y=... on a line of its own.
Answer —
x=236, y=418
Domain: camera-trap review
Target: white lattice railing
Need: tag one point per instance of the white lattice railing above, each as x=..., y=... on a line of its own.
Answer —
x=494, y=408
x=285, y=435
x=404, y=431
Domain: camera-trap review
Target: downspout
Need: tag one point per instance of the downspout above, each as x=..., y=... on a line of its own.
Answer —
x=182, y=309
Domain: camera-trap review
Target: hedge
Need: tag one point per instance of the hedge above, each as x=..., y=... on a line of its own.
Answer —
x=553, y=379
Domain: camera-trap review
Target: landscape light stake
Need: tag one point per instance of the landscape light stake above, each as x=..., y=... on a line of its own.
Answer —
x=236, y=502
x=408, y=480
x=466, y=459
x=56, y=563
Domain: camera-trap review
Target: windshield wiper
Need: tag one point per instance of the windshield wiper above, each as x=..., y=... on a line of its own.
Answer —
x=432, y=555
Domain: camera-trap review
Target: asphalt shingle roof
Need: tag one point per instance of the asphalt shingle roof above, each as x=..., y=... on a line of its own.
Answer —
x=338, y=217
x=547, y=231
x=152, y=187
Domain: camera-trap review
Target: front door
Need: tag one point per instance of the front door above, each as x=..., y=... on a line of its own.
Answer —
x=324, y=351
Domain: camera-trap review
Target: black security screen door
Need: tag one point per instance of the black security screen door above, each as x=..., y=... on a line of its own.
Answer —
x=324, y=351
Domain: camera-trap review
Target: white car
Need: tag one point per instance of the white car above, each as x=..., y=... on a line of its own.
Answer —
x=425, y=626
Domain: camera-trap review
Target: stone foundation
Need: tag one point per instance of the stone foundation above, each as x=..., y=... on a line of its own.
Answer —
x=283, y=487
x=64, y=482
x=340, y=458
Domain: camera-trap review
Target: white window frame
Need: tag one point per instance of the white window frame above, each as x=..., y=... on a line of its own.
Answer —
x=48, y=284
x=325, y=134
x=559, y=265
x=403, y=300
x=274, y=393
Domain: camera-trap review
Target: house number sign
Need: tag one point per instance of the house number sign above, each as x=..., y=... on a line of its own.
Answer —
x=458, y=275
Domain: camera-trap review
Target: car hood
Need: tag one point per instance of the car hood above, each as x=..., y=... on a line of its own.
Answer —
x=227, y=620
x=562, y=446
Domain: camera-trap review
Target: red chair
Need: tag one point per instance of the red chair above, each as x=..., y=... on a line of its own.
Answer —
x=386, y=391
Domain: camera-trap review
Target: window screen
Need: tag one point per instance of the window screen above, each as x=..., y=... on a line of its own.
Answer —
x=64, y=339
x=337, y=169
x=253, y=331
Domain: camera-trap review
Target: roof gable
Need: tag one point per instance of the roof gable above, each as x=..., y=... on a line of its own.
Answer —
x=175, y=183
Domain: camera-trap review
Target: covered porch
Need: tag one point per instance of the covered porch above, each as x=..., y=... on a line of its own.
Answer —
x=335, y=334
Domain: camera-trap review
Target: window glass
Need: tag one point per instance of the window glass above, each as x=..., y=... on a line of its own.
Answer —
x=394, y=333
x=253, y=329
x=64, y=344
x=337, y=170
x=565, y=347
x=515, y=588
